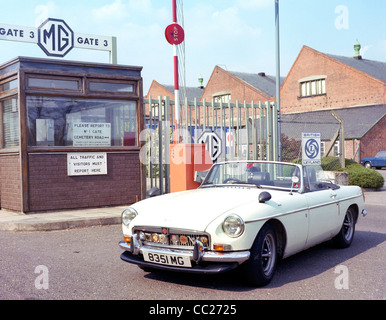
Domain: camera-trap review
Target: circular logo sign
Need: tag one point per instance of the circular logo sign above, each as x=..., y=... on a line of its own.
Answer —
x=312, y=148
x=174, y=33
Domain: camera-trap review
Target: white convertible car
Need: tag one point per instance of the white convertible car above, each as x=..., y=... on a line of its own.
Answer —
x=245, y=214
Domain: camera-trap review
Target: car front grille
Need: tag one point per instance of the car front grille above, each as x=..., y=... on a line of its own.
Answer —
x=171, y=237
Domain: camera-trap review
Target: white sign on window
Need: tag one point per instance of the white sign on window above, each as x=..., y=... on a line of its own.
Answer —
x=86, y=163
x=88, y=134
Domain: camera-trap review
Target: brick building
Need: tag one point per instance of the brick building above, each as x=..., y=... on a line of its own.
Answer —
x=232, y=86
x=157, y=90
x=316, y=82
x=69, y=135
x=321, y=82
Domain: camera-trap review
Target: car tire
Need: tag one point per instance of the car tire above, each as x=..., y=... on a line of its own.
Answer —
x=346, y=234
x=260, y=268
x=367, y=165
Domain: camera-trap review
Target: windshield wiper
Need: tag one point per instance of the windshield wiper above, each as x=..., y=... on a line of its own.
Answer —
x=247, y=183
x=209, y=185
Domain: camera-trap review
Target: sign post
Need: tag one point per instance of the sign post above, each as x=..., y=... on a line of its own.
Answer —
x=175, y=35
x=56, y=38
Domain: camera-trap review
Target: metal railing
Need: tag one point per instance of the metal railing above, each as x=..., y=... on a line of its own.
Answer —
x=247, y=131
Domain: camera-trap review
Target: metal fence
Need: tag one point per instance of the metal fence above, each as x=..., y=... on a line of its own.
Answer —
x=247, y=131
x=329, y=125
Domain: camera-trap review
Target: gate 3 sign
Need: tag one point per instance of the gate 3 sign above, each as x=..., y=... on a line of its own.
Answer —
x=55, y=37
x=311, y=148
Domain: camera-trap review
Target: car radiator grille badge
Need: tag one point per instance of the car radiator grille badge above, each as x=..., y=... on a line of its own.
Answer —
x=166, y=237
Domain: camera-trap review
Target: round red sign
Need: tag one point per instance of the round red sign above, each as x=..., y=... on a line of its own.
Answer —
x=174, y=33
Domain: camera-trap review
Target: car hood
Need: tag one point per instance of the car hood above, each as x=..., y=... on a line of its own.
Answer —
x=193, y=209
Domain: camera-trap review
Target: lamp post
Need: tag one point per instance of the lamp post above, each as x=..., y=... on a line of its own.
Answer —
x=277, y=49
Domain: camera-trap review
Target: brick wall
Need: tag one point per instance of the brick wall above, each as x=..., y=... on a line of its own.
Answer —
x=374, y=140
x=51, y=189
x=10, y=183
x=156, y=90
x=221, y=81
x=345, y=86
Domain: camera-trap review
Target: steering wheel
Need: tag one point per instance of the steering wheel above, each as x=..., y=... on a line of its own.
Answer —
x=231, y=179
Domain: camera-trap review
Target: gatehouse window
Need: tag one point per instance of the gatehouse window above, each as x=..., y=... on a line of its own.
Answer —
x=111, y=86
x=52, y=83
x=79, y=122
x=9, y=123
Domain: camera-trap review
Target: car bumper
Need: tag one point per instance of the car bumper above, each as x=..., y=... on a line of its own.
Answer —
x=209, y=263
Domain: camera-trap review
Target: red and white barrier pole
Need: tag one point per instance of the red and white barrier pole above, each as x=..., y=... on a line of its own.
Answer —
x=176, y=87
x=175, y=35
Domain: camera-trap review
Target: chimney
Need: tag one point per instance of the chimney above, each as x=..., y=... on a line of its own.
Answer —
x=357, y=47
x=261, y=74
x=200, y=82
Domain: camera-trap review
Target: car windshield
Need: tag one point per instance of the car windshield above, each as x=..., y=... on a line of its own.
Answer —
x=255, y=174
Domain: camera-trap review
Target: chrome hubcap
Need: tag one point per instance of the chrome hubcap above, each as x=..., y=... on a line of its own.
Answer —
x=348, y=226
x=268, y=254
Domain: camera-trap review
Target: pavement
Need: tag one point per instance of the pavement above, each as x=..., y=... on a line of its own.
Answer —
x=59, y=220
x=69, y=219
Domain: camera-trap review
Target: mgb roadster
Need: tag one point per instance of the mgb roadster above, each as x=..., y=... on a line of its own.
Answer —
x=246, y=214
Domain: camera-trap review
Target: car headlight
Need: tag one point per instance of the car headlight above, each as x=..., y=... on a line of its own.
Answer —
x=233, y=226
x=128, y=215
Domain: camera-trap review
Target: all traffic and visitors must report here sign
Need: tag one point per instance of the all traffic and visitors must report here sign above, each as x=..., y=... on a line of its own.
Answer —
x=86, y=163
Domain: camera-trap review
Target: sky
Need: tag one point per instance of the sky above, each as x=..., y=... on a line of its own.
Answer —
x=237, y=35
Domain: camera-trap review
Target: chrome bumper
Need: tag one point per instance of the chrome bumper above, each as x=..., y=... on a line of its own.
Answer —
x=208, y=256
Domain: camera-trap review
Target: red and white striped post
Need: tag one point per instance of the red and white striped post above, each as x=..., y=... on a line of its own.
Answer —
x=176, y=86
x=175, y=35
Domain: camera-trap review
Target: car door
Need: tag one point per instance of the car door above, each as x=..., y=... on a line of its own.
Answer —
x=323, y=209
x=380, y=159
x=323, y=215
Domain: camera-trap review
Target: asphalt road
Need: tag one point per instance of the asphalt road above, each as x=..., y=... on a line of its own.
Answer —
x=84, y=264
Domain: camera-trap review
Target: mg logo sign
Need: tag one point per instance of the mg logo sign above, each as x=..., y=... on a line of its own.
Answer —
x=55, y=37
x=212, y=142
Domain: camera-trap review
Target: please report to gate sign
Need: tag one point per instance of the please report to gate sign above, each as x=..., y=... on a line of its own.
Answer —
x=89, y=134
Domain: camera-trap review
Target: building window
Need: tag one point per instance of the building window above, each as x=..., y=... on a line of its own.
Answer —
x=322, y=148
x=312, y=87
x=111, y=87
x=222, y=98
x=58, y=84
x=77, y=122
x=9, y=85
x=10, y=123
x=336, y=151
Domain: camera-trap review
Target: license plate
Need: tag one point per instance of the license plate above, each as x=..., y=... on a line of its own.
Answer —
x=167, y=259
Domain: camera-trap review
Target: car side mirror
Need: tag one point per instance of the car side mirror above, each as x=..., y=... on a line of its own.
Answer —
x=199, y=176
x=264, y=196
x=153, y=192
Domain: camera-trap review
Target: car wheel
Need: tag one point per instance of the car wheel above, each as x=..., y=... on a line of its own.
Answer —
x=346, y=234
x=261, y=266
x=367, y=165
